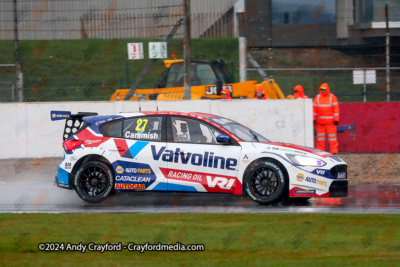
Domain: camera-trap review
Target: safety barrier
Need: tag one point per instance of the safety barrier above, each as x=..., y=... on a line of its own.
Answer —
x=27, y=132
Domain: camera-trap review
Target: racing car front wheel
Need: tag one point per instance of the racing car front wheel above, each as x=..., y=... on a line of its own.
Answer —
x=93, y=181
x=265, y=182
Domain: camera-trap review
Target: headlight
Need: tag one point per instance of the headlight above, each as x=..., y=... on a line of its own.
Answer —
x=306, y=161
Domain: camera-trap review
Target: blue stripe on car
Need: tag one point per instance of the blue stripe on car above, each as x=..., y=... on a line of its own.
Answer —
x=137, y=147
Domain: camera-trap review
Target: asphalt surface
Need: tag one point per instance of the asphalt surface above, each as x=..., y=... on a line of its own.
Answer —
x=28, y=186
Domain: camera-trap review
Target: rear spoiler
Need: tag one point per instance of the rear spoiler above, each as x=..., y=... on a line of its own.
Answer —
x=73, y=121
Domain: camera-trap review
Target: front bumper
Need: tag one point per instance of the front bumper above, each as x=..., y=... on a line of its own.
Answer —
x=339, y=188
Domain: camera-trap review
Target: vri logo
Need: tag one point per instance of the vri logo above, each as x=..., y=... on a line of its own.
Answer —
x=222, y=182
x=320, y=172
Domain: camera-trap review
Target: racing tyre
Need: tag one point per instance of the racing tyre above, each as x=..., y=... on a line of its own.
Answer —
x=265, y=182
x=94, y=181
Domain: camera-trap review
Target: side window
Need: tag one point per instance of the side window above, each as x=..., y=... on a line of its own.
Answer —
x=112, y=129
x=143, y=128
x=186, y=130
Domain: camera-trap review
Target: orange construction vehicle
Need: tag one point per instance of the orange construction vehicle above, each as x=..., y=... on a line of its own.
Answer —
x=208, y=79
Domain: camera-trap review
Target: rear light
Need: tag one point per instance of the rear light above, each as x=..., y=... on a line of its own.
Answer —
x=71, y=144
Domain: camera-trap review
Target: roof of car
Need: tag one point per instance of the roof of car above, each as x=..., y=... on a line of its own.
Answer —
x=181, y=113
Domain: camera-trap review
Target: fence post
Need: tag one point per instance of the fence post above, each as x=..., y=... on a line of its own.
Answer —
x=242, y=59
x=19, y=94
x=186, y=52
x=365, y=85
x=387, y=55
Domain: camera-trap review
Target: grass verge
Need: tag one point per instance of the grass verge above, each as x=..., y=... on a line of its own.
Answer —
x=229, y=239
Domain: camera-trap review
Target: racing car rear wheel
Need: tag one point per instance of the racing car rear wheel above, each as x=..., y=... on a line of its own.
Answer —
x=94, y=181
x=265, y=182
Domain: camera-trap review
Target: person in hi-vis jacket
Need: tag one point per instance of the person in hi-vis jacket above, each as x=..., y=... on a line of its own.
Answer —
x=326, y=118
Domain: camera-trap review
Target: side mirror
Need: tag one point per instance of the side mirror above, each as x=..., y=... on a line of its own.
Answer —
x=223, y=139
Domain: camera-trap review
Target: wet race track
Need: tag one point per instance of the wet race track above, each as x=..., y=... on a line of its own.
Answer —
x=26, y=186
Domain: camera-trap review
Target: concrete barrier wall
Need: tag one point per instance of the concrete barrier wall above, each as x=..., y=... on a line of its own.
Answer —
x=26, y=130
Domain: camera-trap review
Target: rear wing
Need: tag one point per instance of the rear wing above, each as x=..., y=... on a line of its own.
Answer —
x=73, y=121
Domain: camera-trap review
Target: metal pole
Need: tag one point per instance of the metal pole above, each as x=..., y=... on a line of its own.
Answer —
x=365, y=86
x=18, y=90
x=255, y=64
x=387, y=55
x=186, y=52
x=242, y=58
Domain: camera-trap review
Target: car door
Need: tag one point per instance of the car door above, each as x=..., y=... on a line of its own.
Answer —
x=196, y=162
x=130, y=152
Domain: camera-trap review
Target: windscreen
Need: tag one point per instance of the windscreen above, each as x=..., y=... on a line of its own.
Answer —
x=239, y=130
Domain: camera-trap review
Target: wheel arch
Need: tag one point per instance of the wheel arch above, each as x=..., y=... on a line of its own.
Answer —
x=253, y=163
x=82, y=161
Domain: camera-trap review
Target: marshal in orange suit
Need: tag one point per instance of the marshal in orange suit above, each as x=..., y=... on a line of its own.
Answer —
x=326, y=117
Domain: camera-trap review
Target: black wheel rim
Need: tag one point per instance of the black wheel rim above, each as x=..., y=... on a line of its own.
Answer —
x=93, y=181
x=264, y=182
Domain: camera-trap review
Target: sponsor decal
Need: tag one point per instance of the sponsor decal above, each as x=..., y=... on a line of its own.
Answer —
x=151, y=136
x=304, y=191
x=283, y=149
x=212, y=90
x=322, y=172
x=245, y=158
x=119, y=170
x=67, y=165
x=60, y=115
x=130, y=186
x=63, y=185
x=300, y=192
x=322, y=153
x=222, y=182
x=184, y=175
x=341, y=175
x=91, y=142
x=73, y=158
x=138, y=170
x=300, y=177
x=208, y=159
x=133, y=173
x=211, y=182
x=316, y=181
x=134, y=179
x=87, y=134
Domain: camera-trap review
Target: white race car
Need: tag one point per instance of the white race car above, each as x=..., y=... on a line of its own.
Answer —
x=196, y=152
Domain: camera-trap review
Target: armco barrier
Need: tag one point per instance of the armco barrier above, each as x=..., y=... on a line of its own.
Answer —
x=27, y=131
x=377, y=127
